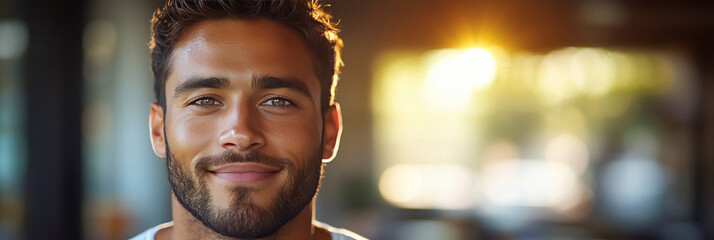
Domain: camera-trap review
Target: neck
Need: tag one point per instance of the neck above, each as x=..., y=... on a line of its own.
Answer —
x=186, y=226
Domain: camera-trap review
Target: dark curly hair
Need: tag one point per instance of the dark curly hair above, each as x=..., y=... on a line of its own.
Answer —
x=306, y=17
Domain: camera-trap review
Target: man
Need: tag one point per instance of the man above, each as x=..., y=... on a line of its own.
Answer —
x=245, y=117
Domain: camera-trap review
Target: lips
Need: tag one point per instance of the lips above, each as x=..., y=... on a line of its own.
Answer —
x=242, y=173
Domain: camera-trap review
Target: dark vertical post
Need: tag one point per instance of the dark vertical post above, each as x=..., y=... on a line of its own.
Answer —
x=704, y=142
x=53, y=85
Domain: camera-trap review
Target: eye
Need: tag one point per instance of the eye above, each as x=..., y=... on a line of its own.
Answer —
x=205, y=102
x=278, y=102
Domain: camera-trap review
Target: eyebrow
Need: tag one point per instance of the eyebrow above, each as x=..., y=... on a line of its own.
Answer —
x=270, y=82
x=197, y=83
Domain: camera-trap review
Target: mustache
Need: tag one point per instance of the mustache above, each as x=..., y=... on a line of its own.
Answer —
x=227, y=157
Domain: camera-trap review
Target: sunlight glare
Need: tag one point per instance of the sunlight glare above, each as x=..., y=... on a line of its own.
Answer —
x=453, y=75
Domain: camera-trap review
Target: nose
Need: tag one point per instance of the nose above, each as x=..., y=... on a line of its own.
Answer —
x=242, y=131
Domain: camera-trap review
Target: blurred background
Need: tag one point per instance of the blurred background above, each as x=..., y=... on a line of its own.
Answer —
x=464, y=119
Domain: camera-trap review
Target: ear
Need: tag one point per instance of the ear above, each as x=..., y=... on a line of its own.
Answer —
x=332, y=120
x=156, y=130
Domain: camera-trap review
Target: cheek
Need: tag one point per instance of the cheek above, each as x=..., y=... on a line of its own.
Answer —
x=300, y=139
x=188, y=137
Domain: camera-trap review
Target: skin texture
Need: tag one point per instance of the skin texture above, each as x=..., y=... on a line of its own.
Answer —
x=245, y=111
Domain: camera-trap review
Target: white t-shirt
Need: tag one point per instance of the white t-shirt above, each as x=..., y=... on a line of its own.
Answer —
x=336, y=233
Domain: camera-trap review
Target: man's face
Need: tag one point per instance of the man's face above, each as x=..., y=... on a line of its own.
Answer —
x=243, y=131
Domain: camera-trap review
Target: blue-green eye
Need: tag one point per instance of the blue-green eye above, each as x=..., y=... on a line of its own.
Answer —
x=278, y=102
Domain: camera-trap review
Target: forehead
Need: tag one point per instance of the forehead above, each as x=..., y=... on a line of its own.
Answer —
x=241, y=48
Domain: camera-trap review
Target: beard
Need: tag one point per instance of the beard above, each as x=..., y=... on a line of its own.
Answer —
x=243, y=218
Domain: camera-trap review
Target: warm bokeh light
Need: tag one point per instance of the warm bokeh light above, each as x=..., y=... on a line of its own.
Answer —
x=531, y=183
x=570, y=73
x=501, y=132
x=454, y=74
x=592, y=70
x=569, y=151
x=440, y=186
x=565, y=73
x=400, y=184
x=438, y=132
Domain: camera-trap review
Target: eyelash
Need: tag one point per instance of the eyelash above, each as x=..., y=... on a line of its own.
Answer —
x=287, y=103
x=194, y=102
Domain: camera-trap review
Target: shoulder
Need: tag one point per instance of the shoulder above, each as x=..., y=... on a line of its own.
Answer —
x=339, y=233
x=150, y=233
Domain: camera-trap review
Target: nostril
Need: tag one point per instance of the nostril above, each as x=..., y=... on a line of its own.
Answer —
x=230, y=145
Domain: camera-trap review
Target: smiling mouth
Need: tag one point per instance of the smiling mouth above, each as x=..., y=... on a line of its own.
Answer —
x=243, y=173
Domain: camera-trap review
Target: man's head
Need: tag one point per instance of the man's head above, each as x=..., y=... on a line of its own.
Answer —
x=245, y=113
